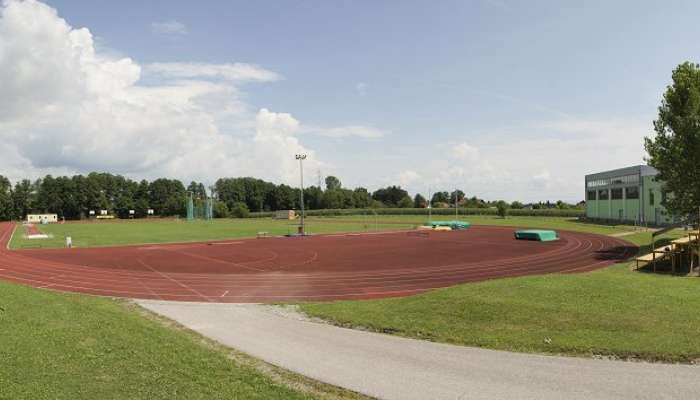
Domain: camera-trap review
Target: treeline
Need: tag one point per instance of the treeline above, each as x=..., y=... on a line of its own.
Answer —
x=74, y=197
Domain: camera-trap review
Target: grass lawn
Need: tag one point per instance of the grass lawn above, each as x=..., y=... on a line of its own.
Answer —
x=613, y=312
x=67, y=346
x=113, y=233
x=571, y=224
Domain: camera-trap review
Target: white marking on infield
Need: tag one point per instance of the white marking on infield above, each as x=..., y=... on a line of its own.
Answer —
x=225, y=293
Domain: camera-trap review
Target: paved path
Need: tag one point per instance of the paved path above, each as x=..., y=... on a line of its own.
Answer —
x=390, y=367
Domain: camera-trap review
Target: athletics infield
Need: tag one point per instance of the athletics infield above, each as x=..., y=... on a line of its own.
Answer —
x=312, y=268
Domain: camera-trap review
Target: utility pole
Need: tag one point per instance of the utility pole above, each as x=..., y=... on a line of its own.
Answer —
x=430, y=206
x=456, y=209
x=301, y=158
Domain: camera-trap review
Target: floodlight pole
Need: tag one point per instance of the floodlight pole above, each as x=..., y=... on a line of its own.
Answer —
x=456, y=213
x=302, y=157
x=430, y=207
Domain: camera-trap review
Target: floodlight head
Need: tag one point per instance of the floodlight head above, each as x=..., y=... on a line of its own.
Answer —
x=301, y=156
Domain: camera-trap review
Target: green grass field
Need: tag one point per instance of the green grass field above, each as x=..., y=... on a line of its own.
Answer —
x=612, y=312
x=114, y=233
x=68, y=346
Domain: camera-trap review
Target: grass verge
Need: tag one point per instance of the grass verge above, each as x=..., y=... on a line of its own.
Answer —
x=613, y=312
x=66, y=346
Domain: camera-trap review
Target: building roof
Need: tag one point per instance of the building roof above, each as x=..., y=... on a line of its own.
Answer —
x=643, y=170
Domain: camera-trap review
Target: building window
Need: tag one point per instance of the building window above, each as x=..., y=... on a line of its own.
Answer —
x=616, y=194
x=603, y=194
x=651, y=197
x=632, y=192
x=591, y=195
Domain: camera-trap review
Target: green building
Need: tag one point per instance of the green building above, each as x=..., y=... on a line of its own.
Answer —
x=627, y=194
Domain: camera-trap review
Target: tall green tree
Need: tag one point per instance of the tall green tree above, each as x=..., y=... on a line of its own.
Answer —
x=456, y=196
x=361, y=197
x=440, y=197
x=675, y=149
x=23, y=198
x=419, y=201
x=332, y=183
x=6, y=206
x=390, y=195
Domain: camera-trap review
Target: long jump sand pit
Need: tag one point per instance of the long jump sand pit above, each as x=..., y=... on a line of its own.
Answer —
x=312, y=268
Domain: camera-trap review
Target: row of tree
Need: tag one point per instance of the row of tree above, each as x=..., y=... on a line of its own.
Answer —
x=74, y=197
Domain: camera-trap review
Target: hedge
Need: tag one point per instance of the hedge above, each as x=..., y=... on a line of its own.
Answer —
x=550, y=212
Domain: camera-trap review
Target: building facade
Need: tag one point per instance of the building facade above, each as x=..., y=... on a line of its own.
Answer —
x=631, y=195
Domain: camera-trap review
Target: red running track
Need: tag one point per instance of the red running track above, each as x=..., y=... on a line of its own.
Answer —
x=316, y=268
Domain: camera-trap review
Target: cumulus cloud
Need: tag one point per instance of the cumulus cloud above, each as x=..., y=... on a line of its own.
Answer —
x=170, y=27
x=237, y=72
x=544, y=160
x=360, y=131
x=68, y=108
x=408, y=178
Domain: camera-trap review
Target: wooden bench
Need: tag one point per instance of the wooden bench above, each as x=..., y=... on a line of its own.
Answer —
x=263, y=235
x=657, y=254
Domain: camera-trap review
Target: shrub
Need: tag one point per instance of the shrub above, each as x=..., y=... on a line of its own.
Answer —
x=220, y=209
x=502, y=209
x=240, y=210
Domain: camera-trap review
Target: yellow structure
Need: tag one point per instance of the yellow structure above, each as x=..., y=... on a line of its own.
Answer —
x=285, y=214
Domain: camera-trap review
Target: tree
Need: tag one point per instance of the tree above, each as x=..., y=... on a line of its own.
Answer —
x=502, y=208
x=390, y=196
x=406, y=202
x=6, y=206
x=197, y=189
x=332, y=199
x=419, y=201
x=23, y=198
x=516, y=205
x=167, y=197
x=440, y=197
x=240, y=210
x=361, y=197
x=332, y=183
x=313, y=197
x=456, y=196
x=220, y=209
x=675, y=150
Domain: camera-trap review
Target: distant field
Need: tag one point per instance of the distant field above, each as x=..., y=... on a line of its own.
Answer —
x=114, y=233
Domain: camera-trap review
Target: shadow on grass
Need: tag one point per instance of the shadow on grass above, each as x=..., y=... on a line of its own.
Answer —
x=608, y=223
x=617, y=253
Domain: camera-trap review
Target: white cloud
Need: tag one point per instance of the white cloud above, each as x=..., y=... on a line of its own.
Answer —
x=361, y=88
x=170, y=27
x=236, y=72
x=408, y=178
x=465, y=151
x=360, y=131
x=67, y=107
x=541, y=161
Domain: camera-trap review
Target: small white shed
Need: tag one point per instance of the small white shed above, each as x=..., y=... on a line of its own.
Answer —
x=42, y=218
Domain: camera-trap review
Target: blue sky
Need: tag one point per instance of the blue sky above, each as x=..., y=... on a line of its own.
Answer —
x=507, y=83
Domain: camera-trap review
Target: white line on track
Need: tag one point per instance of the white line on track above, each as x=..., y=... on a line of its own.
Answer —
x=174, y=281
